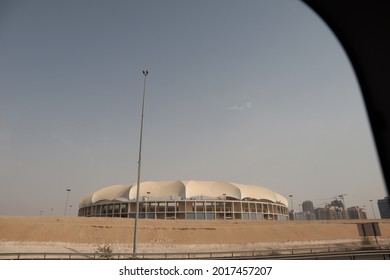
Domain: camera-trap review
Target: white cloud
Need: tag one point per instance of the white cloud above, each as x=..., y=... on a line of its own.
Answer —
x=235, y=108
x=247, y=105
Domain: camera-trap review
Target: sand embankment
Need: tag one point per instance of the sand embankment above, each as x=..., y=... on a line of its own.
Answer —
x=75, y=233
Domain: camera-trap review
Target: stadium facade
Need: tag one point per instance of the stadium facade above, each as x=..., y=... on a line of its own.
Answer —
x=201, y=200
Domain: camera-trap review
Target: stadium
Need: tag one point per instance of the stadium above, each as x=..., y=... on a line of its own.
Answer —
x=199, y=200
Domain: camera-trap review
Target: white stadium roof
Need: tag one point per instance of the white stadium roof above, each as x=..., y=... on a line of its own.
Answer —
x=167, y=190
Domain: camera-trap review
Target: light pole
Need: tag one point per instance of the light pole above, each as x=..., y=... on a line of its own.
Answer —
x=224, y=206
x=300, y=207
x=342, y=198
x=292, y=207
x=372, y=207
x=147, y=202
x=145, y=72
x=67, y=197
x=365, y=212
x=70, y=209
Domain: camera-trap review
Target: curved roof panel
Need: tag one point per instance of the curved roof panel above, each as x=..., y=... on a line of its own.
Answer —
x=167, y=190
x=195, y=189
x=111, y=193
x=86, y=200
x=158, y=190
x=256, y=192
x=281, y=199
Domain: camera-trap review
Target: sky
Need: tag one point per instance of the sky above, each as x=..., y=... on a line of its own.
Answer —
x=251, y=92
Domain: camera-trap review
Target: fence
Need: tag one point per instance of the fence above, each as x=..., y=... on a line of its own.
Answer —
x=348, y=252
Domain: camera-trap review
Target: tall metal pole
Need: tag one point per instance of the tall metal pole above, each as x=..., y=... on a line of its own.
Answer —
x=145, y=72
x=372, y=207
x=224, y=206
x=147, y=202
x=292, y=207
x=66, y=204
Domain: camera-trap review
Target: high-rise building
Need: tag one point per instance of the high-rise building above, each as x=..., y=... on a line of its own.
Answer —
x=337, y=203
x=339, y=208
x=330, y=212
x=356, y=212
x=307, y=206
x=320, y=214
x=384, y=207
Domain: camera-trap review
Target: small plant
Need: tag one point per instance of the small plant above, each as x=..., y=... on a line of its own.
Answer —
x=104, y=251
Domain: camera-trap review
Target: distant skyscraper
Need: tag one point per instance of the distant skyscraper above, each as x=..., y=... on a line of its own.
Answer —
x=320, y=214
x=356, y=212
x=337, y=203
x=338, y=207
x=331, y=212
x=384, y=207
x=307, y=206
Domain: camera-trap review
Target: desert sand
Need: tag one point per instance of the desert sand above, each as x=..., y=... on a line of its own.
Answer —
x=82, y=234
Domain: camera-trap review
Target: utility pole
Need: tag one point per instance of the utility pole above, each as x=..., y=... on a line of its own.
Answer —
x=372, y=207
x=292, y=207
x=342, y=198
x=66, y=204
x=145, y=72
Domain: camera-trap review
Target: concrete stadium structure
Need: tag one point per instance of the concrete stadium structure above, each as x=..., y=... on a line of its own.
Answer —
x=186, y=200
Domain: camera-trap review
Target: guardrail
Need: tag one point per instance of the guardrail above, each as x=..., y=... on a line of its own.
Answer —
x=349, y=252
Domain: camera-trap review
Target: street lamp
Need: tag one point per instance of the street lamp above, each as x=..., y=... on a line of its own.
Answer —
x=342, y=198
x=70, y=209
x=372, y=207
x=67, y=197
x=145, y=72
x=292, y=207
x=300, y=208
x=147, y=202
x=224, y=206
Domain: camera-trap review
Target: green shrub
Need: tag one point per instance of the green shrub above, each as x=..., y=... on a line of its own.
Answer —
x=104, y=251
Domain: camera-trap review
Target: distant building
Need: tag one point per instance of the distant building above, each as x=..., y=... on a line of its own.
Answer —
x=320, y=214
x=307, y=206
x=330, y=212
x=309, y=216
x=299, y=216
x=190, y=200
x=307, y=211
x=335, y=213
x=339, y=208
x=292, y=215
x=356, y=212
x=337, y=203
x=384, y=207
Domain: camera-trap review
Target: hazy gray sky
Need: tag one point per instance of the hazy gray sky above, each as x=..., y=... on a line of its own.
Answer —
x=253, y=92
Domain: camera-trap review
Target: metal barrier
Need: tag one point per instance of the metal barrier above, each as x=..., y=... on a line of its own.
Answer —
x=347, y=252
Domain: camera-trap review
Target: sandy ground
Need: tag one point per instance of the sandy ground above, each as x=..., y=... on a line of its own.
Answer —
x=81, y=234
